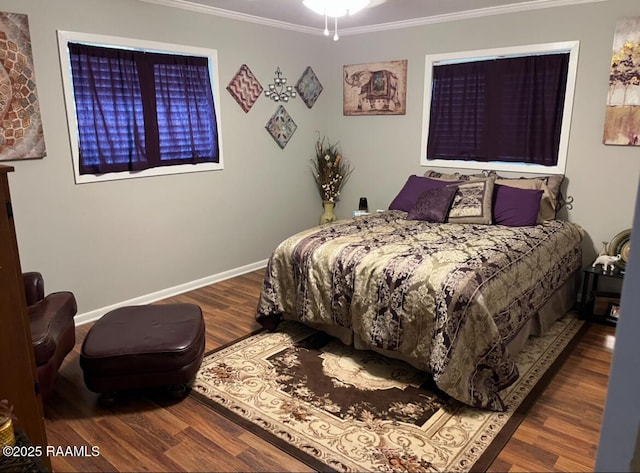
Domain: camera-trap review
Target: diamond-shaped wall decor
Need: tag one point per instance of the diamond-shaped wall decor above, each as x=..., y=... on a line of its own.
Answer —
x=281, y=126
x=309, y=87
x=245, y=88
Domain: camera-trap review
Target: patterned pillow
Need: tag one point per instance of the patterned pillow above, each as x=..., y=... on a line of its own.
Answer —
x=408, y=195
x=433, y=205
x=472, y=202
x=456, y=176
x=550, y=185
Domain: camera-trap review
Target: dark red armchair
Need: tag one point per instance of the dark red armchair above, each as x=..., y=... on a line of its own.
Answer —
x=52, y=328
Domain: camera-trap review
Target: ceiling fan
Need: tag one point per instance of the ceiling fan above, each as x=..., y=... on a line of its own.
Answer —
x=336, y=9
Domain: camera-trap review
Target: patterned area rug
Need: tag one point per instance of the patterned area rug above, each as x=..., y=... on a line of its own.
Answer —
x=340, y=409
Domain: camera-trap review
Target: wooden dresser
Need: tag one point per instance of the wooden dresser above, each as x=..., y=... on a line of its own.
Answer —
x=18, y=380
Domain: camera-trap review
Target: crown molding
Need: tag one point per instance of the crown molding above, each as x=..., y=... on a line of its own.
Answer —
x=199, y=8
x=466, y=15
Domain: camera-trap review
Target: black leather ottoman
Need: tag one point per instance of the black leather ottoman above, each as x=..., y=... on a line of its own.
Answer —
x=140, y=347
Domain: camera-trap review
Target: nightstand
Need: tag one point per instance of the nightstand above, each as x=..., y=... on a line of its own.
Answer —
x=595, y=305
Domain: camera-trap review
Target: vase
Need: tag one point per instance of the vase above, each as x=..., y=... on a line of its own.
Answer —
x=328, y=215
x=7, y=437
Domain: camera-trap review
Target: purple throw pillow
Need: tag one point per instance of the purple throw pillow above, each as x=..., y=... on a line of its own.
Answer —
x=433, y=205
x=515, y=207
x=415, y=185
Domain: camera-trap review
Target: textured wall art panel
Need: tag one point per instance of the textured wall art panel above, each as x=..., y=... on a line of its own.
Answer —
x=309, y=87
x=245, y=88
x=21, y=135
x=281, y=126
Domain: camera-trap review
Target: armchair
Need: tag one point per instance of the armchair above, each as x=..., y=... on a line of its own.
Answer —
x=52, y=328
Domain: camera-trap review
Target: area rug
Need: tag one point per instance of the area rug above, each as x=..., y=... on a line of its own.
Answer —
x=340, y=409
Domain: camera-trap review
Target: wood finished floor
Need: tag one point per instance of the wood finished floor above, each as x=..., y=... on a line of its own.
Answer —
x=154, y=434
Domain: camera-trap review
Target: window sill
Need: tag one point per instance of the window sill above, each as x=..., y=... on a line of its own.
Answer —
x=159, y=171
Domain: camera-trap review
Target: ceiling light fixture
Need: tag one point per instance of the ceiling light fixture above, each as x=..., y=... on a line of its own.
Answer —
x=335, y=9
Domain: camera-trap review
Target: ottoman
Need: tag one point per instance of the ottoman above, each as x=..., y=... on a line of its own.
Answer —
x=138, y=347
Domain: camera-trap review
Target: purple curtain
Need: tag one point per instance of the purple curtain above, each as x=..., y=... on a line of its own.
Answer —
x=138, y=110
x=108, y=109
x=507, y=110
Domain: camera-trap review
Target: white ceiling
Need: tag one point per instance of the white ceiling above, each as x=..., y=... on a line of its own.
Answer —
x=381, y=14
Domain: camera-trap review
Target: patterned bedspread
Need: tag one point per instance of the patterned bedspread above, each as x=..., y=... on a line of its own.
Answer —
x=445, y=297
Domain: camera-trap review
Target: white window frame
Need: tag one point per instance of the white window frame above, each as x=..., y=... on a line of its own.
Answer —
x=64, y=37
x=432, y=60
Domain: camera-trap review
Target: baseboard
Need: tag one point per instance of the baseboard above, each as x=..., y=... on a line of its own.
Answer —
x=94, y=315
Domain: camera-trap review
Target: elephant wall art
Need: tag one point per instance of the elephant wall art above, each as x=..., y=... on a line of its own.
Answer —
x=375, y=89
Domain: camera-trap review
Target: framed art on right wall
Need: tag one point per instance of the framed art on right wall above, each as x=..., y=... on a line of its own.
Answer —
x=622, y=117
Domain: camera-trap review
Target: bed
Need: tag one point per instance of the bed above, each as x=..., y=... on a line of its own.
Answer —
x=457, y=298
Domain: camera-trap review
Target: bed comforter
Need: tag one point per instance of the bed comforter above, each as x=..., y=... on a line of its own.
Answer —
x=447, y=298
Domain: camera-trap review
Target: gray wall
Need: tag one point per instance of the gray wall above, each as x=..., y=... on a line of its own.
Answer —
x=117, y=241
x=114, y=241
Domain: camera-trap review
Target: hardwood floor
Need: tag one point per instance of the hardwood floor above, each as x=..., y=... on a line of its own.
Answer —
x=152, y=433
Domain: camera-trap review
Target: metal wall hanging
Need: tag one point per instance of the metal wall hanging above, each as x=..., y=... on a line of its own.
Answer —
x=279, y=91
x=245, y=88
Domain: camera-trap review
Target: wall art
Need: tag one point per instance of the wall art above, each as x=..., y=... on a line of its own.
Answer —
x=378, y=88
x=281, y=126
x=245, y=88
x=278, y=90
x=622, y=118
x=309, y=87
x=21, y=135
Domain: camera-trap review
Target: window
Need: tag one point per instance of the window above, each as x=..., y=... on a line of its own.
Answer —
x=505, y=109
x=139, y=109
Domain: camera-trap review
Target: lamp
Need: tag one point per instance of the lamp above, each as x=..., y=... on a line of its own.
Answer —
x=279, y=90
x=335, y=9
